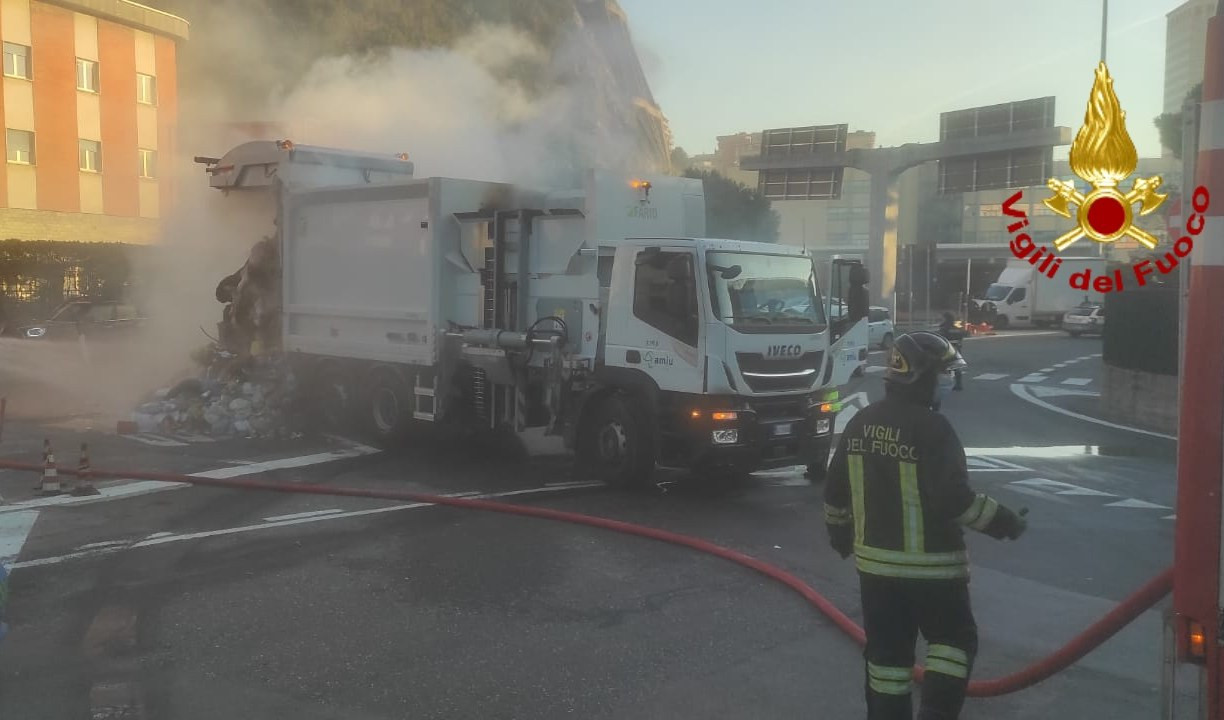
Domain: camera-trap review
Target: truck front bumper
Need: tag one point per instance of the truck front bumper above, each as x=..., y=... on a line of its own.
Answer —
x=768, y=433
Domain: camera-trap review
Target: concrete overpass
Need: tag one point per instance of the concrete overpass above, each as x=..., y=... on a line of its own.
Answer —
x=885, y=166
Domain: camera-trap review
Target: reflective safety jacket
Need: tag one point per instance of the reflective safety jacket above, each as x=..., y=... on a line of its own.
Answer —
x=899, y=480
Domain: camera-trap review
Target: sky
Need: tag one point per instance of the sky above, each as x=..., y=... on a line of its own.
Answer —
x=718, y=67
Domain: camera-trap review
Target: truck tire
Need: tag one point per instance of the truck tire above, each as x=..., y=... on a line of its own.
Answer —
x=1000, y=322
x=616, y=444
x=332, y=398
x=818, y=463
x=388, y=407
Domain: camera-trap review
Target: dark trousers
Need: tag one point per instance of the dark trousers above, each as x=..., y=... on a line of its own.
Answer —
x=894, y=612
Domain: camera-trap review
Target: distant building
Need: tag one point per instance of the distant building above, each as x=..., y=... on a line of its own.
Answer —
x=1185, y=48
x=90, y=109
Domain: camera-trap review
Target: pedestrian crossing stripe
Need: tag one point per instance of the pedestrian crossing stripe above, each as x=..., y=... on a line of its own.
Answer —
x=992, y=464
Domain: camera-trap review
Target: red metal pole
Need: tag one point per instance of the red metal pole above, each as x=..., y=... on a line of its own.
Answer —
x=1200, y=459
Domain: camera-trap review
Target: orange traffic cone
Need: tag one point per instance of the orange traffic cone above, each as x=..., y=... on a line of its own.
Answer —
x=50, y=484
x=84, y=480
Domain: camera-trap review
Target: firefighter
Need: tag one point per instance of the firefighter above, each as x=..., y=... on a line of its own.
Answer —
x=955, y=335
x=897, y=497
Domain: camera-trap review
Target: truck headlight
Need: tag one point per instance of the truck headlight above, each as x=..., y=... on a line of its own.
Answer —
x=725, y=437
x=823, y=425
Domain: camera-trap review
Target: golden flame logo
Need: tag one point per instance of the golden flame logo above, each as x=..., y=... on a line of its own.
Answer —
x=1103, y=154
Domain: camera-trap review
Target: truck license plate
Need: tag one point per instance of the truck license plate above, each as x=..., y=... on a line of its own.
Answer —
x=782, y=429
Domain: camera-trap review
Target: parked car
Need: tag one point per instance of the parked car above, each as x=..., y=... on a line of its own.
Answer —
x=1087, y=319
x=879, y=327
x=96, y=319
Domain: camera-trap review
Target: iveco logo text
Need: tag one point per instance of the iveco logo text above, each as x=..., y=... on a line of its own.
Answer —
x=784, y=351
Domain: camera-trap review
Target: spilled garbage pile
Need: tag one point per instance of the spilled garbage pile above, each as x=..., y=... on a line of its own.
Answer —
x=256, y=402
x=245, y=387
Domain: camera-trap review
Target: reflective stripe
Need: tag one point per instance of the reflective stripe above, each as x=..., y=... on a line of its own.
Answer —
x=855, y=465
x=948, y=660
x=943, y=667
x=837, y=516
x=897, y=557
x=889, y=680
x=911, y=508
x=913, y=572
x=979, y=513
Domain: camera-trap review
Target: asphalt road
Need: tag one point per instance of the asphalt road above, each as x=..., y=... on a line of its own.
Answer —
x=203, y=603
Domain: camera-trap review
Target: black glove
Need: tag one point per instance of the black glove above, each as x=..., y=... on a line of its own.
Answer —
x=1006, y=525
x=841, y=537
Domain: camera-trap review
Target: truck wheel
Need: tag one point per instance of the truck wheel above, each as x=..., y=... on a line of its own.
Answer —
x=333, y=397
x=616, y=445
x=818, y=464
x=388, y=403
x=1000, y=322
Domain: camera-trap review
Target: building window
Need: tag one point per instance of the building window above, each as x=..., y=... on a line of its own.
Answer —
x=148, y=163
x=89, y=154
x=17, y=60
x=87, y=75
x=146, y=89
x=20, y=147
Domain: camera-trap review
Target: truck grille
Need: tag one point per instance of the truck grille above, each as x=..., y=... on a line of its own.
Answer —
x=784, y=408
x=765, y=375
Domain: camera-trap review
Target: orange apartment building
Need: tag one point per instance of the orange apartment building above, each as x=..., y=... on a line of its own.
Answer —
x=90, y=112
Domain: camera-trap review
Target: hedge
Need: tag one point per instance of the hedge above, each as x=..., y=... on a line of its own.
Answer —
x=1141, y=330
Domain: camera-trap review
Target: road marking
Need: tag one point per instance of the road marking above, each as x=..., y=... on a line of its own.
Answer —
x=1077, y=381
x=1032, y=378
x=1169, y=517
x=156, y=440
x=983, y=463
x=876, y=369
x=145, y=487
x=152, y=541
x=1039, y=451
x=990, y=376
x=1037, y=493
x=294, y=516
x=1060, y=488
x=1023, y=393
x=1047, y=391
x=14, y=529
x=1141, y=504
x=1060, y=365
x=1047, y=370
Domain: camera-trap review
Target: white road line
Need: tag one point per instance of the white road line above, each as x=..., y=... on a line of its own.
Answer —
x=1087, y=357
x=1060, y=365
x=1140, y=504
x=1047, y=370
x=1077, y=381
x=152, y=541
x=982, y=463
x=1032, y=378
x=990, y=376
x=1097, y=355
x=295, y=516
x=1039, y=451
x=1037, y=494
x=1169, y=517
x=876, y=369
x=1060, y=488
x=155, y=440
x=14, y=529
x=1023, y=393
x=144, y=487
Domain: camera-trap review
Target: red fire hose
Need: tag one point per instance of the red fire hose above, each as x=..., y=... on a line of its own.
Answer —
x=1078, y=647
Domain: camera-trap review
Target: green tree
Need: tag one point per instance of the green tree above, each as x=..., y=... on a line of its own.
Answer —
x=679, y=160
x=1170, y=124
x=734, y=210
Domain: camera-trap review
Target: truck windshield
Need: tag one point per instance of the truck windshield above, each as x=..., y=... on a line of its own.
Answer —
x=765, y=290
x=997, y=292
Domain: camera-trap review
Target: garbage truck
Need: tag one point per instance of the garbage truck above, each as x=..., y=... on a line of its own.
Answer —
x=599, y=313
